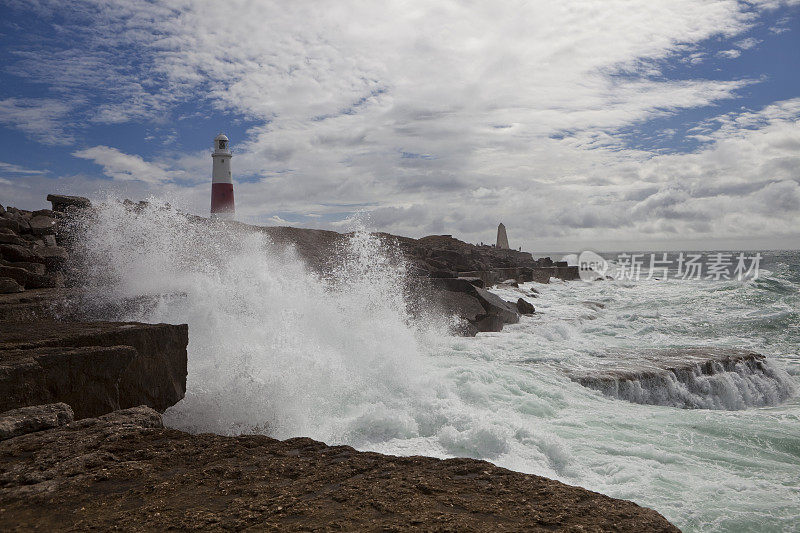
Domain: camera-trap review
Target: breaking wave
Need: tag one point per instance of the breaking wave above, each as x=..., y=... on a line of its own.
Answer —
x=718, y=385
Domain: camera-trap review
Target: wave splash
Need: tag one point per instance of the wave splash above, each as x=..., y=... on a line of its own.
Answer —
x=274, y=348
x=732, y=384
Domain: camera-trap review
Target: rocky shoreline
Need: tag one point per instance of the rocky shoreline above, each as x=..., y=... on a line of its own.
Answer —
x=82, y=444
x=125, y=470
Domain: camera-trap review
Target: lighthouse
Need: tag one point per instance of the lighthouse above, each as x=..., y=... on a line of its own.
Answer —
x=221, y=182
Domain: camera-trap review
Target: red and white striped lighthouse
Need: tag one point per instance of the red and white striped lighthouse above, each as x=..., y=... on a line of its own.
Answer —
x=221, y=181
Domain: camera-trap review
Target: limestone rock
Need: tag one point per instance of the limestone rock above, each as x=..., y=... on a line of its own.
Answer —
x=525, y=308
x=125, y=471
x=41, y=225
x=491, y=303
x=39, y=304
x=15, y=252
x=41, y=281
x=24, y=420
x=62, y=203
x=8, y=286
x=11, y=238
x=37, y=268
x=478, y=282
x=20, y=275
x=10, y=224
x=489, y=323
x=95, y=367
x=53, y=252
x=87, y=378
x=495, y=305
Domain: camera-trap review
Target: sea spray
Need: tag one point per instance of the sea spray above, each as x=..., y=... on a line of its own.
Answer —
x=274, y=348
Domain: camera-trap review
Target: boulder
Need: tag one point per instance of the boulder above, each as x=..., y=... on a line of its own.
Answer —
x=478, y=282
x=491, y=303
x=8, y=286
x=10, y=224
x=442, y=274
x=20, y=275
x=41, y=225
x=16, y=252
x=25, y=420
x=496, y=306
x=62, y=203
x=15, y=216
x=489, y=323
x=38, y=268
x=525, y=308
x=11, y=238
x=459, y=303
x=95, y=367
x=454, y=284
x=52, y=256
x=510, y=283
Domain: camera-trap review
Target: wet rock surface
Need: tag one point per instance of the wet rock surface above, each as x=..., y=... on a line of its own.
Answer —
x=702, y=377
x=125, y=471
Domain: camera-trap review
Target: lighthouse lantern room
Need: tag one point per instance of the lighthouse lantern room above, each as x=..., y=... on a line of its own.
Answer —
x=222, y=205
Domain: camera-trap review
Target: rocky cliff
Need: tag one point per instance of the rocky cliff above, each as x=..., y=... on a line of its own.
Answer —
x=95, y=367
x=47, y=356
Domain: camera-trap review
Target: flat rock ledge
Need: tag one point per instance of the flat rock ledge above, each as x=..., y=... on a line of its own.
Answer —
x=689, y=378
x=126, y=471
x=94, y=367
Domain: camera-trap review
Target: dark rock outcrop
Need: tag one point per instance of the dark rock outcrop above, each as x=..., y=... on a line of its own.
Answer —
x=95, y=367
x=30, y=253
x=62, y=203
x=462, y=297
x=125, y=471
x=24, y=420
x=10, y=286
x=525, y=308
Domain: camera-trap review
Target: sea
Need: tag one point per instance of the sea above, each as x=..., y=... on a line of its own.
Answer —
x=279, y=350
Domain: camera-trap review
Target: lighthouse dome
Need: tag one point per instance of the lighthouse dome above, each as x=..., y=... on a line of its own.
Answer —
x=221, y=144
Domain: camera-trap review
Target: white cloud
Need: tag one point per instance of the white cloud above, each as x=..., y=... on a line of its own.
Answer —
x=438, y=117
x=125, y=167
x=41, y=119
x=729, y=54
x=10, y=168
x=748, y=43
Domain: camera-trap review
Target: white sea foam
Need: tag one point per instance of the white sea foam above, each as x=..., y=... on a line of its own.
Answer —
x=275, y=349
x=725, y=385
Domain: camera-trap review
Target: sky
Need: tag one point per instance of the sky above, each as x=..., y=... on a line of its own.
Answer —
x=579, y=124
